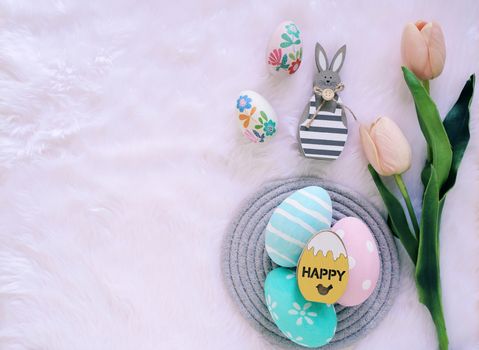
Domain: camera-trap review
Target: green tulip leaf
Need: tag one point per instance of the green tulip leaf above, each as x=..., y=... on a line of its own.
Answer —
x=291, y=55
x=398, y=219
x=456, y=124
x=263, y=114
x=427, y=267
x=425, y=173
x=392, y=227
x=440, y=152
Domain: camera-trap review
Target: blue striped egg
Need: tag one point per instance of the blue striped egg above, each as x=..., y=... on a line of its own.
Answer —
x=293, y=223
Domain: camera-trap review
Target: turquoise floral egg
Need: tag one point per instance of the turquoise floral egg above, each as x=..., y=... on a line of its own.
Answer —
x=285, y=49
x=306, y=323
x=292, y=224
x=256, y=118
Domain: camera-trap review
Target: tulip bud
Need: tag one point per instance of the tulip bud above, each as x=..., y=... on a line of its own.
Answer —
x=386, y=147
x=423, y=49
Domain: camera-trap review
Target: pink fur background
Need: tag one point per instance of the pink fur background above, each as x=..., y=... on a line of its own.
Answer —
x=121, y=162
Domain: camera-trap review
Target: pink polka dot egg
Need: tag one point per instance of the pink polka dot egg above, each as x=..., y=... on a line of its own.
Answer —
x=363, y=259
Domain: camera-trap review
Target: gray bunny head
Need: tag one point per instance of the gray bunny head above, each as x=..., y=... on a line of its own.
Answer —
x=328, y=75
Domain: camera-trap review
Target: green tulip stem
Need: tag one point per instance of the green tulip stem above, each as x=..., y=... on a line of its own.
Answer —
x=407, y=199
x=425, y=83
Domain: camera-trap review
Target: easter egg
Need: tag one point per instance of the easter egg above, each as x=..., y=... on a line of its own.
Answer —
x=292, y=224
x=256, y=118
x=285, y=49
x=363, y=257
x=303, y=322
x=323, y=268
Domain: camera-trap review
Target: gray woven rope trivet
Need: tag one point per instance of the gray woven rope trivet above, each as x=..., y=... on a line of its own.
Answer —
x=246, y=263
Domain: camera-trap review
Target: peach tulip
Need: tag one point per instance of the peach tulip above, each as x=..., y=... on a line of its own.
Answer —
x=386, y=147
x=423, y=49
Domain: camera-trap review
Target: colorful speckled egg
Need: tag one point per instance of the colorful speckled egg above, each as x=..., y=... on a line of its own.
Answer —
x=303, y=322
x=363, y=257
x=285, y=49
x=322, y=271
x=257, y=119
x=292, y=224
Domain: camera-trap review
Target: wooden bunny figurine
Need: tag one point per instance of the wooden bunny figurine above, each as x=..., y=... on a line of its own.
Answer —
x=323, y=127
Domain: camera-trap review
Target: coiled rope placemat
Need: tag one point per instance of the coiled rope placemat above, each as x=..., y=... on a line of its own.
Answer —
x=246, y=263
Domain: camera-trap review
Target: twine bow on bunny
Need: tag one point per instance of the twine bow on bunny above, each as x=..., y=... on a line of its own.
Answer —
x=323, y=129
x=328, y=95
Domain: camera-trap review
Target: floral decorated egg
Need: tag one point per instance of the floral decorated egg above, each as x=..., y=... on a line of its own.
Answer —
x=257, y=119
x=285, y=49
x=363, y=258
x=303, y=322
x=298, y=218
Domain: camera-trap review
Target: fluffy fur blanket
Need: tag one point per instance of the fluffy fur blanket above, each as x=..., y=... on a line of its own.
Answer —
x=121, y=163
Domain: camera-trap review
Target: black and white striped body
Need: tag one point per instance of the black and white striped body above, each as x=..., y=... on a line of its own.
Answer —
x=327, y=135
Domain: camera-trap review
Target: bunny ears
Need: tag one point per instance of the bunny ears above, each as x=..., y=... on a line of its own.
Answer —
x=322, y=59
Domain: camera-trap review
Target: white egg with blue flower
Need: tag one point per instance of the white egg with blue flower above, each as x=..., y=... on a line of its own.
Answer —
x=257, y=119
x=285, y=49
x=295, y=221
x=305, y=323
